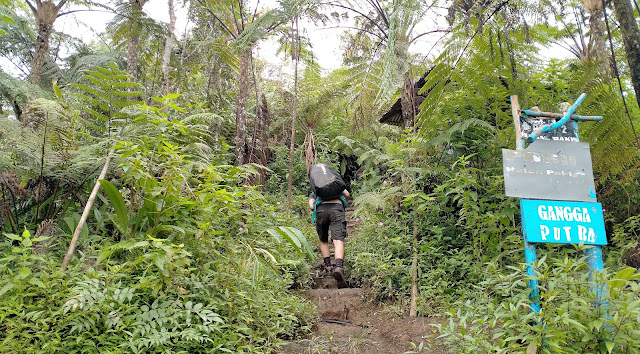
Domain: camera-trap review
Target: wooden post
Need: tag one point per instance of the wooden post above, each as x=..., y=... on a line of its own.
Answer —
x=529, y=248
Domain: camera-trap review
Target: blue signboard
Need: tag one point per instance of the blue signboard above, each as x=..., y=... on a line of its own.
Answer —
x=550, y=221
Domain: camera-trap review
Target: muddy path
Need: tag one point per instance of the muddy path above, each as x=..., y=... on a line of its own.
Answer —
x=349, y=322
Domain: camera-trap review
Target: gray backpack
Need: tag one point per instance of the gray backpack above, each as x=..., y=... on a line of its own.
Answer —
x=326, y=182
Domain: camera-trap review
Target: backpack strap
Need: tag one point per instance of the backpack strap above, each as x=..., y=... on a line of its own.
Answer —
x=315, y=206
x=344, y=201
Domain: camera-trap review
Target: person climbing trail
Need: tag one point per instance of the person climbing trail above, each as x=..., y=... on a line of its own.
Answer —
x=328, y=200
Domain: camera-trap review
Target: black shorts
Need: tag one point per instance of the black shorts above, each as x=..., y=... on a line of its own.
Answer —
x=330, y=216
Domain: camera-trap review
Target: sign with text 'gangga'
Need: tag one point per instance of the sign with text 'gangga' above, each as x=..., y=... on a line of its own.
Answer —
x=547, y=169
x=551, y=221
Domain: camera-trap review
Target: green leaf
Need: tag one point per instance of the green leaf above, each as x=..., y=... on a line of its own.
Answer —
x=303, y=241
x=13, y=237
x=294, y=237
x=6, y=288
x=122, y=216
x=159, y=260
x=160, y=229
x=622, y=277
x=56, y=89
x=171, y=96
x=24, y=272
x=626, y=274
x=38, y=282
x=26, y=242
x=275, y=234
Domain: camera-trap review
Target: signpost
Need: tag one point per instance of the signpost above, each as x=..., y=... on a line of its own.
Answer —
x=548, y=221
x=554, y=179
x=548, y=169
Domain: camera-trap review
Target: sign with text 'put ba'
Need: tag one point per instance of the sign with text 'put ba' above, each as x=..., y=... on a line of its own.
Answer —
x=551, y=221
x=547, y=169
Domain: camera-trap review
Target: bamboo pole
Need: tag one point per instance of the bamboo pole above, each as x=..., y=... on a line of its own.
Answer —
x=413, y=306
x=87, y=208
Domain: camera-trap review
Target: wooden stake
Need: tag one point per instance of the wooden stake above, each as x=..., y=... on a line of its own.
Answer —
x=413, y=306
x=87, y=208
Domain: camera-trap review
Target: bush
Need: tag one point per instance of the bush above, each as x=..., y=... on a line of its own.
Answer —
x=573, y=318
x=160, y=298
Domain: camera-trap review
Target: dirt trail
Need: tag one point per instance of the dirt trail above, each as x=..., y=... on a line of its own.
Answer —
x=348, y=323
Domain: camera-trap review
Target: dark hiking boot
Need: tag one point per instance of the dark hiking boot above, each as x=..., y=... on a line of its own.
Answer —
x=338, y=275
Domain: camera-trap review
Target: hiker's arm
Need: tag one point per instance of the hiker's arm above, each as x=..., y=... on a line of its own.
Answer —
x=346, y=193
x=312, y=201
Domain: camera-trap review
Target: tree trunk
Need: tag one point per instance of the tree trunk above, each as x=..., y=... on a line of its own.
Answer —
x=631, y=38
x=166, y=57
x=309, y=148
x=264, y=136
x=258, y=129
x=134, y=40
x=45, y=15
x=294, y=111
x=132, y=55
x=407, y=101
x=241, y=107
x=262, y=143
x=596, y=24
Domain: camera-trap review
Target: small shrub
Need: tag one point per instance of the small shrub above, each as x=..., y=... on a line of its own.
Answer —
x=573, y=318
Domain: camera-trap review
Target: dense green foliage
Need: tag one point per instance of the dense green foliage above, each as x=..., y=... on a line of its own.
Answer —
x=178, y=256
x=185, y=251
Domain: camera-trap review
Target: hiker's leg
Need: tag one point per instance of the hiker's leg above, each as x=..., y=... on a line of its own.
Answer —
x=322, y=227
x=324, y=249
x=338, y=232
x=338, y=248
x=338, y=271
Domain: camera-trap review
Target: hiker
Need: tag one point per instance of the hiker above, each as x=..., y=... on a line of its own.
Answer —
x=328, y=201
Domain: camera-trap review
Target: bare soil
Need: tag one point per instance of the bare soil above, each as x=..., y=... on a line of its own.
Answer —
x=348, y=323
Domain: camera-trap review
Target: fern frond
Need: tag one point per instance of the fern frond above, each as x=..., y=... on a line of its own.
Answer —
x=106, y=97
x=459, y=128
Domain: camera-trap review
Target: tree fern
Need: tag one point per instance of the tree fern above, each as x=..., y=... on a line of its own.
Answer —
x=87, y=59
x=17, y=35
x=613, y=147
x=130, y=19
x=469, y=57
x=17, y=92
x=44, y=140
x=104, y=97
